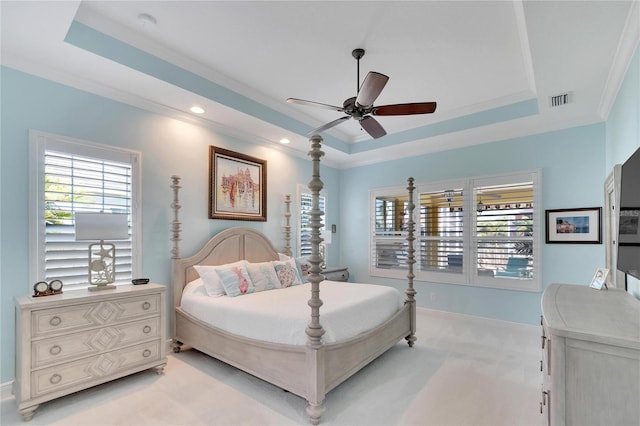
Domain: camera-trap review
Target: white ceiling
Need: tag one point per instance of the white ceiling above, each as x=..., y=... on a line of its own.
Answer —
x=490, y=65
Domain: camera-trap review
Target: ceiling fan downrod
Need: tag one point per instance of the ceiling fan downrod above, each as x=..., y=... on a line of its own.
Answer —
x=358, y=53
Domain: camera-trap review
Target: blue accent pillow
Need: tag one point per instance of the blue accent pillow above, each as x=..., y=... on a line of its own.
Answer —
x=235, y=280
x=263, y=276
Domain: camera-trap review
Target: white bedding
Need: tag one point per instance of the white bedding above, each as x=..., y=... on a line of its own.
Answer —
x=282, y=315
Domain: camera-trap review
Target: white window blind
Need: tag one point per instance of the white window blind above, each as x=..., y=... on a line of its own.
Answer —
x=304, y=225
x=442, y=231
x=481, y=231
x=80, y=177
x=504, y=230
x=389, y=224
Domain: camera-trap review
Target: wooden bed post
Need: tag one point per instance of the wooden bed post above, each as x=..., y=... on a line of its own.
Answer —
x=287, y=224
x=175, y=223
x=315, y=349
x=410, y=292
x=175, y=255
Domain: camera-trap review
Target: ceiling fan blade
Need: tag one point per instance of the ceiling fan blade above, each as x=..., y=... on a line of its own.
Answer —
x=405, y=109
x=371, y=87
x=328, y=125
x=314, y=104
x=372, y=127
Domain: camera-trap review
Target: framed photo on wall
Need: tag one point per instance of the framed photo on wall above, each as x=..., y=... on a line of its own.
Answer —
x=237, y=186
x=574, y=226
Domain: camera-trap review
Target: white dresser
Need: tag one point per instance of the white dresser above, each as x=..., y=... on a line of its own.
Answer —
x=590, y=356
x=78, y=339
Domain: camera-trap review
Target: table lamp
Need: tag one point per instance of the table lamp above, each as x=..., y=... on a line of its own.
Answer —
x=102, y=256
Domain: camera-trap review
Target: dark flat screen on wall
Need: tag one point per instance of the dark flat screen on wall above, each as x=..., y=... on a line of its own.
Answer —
x=629, y=217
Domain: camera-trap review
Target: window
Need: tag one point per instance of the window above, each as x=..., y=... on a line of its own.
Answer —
x=480, y=231
x=389, y=232
x=304, y=222
x=70, y=176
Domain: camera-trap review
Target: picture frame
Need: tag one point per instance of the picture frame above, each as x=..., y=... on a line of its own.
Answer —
x=629, y=226
x=599, y=280
x=237, y=186
x=574, y=226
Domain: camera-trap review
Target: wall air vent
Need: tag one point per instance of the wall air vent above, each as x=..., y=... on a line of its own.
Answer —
x=559, y=100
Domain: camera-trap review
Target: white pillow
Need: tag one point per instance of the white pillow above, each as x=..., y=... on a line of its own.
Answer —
x=287, y=272
x=263, y=276
x=211, y=279
x=282, y=256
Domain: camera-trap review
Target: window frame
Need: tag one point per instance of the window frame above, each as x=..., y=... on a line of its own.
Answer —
x=469, y=275
x=39, y=143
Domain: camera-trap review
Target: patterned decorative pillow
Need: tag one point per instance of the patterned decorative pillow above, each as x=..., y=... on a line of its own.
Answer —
x=304, y=268
x=263, y=276
x=235, y=280
x=287, y=272
x=212, y=284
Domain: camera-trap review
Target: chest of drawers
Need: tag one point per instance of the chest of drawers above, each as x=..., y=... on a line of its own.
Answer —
x=590, y=356
x=79, y=339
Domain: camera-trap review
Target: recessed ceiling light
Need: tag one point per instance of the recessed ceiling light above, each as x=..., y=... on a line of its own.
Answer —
x=146, y=20
x=197, y=110
x=284, y=141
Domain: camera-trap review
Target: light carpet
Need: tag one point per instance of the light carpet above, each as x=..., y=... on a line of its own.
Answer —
x=463, y=370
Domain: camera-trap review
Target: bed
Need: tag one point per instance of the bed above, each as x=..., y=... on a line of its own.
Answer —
x=316, y=360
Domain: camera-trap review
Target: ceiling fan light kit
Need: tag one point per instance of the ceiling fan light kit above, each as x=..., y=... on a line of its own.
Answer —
x=360, y=107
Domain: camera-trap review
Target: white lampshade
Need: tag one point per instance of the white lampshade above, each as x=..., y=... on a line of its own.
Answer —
x=102, y=226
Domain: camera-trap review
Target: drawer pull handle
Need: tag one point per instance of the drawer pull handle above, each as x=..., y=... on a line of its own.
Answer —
x=146, y=353
x=146, y=306
x=54, y=321
x=146, y=329
x=55, y=350
x=541, y=365
x=544, y=338
x=55, y=379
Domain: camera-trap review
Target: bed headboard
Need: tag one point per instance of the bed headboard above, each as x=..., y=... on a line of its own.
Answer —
x=227, y=246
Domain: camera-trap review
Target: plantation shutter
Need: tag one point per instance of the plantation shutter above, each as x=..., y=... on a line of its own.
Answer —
x=389, y=245
x=504, y=237
x=481, y=231
x=69, y=176
x=305, y=221
x=441, y=227
x=81, y=184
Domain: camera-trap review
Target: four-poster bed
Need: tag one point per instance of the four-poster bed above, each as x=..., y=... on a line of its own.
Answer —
x=309, y=369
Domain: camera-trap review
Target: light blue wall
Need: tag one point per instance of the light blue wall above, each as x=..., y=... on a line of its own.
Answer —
x=168, y=147
x=574, y=163
x=573, y=172
x=623, y=130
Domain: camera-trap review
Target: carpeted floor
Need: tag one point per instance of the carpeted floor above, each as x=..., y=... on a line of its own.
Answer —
x=462, y=371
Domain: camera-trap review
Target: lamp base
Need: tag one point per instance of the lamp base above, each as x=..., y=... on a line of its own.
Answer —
x=98, y=287
x=102, y=263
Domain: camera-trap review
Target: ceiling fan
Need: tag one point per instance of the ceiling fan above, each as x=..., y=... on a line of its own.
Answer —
x=361, y=106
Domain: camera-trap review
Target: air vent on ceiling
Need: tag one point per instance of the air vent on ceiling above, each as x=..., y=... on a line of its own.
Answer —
x=558, y=100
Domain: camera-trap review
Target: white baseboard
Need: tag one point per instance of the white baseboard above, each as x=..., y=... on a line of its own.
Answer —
x=6, y=390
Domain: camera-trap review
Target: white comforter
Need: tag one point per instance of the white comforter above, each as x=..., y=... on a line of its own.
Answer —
x=282, y=315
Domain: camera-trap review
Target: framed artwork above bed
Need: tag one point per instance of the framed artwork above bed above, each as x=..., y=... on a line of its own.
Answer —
x=237, y=186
